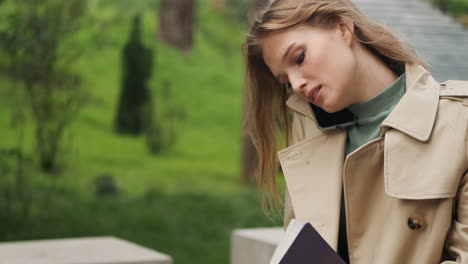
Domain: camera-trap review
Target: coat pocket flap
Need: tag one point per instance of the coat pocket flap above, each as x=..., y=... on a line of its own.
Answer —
x=422, y=170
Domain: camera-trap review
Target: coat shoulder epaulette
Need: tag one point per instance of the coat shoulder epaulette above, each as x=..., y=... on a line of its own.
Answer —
x=457, y=90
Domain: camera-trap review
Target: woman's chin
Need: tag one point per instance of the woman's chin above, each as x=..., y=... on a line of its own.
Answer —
x=331, y=108
x=326, y=106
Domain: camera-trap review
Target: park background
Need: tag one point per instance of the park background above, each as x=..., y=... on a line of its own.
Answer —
x=73, y=160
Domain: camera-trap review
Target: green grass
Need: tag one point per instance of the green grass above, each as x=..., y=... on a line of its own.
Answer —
x=193, y=227
x=184, y=203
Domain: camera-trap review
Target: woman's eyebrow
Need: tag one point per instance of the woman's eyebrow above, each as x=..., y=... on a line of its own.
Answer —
x=288, y=50
x=290, y=47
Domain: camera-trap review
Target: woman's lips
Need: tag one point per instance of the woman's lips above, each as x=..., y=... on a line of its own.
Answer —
x=313, y=94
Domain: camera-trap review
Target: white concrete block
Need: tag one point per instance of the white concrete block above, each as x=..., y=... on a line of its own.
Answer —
x=254, y=246
x=92, y=250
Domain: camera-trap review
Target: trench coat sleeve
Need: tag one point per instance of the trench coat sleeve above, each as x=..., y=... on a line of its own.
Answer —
x=297, y=134
x=456, y=245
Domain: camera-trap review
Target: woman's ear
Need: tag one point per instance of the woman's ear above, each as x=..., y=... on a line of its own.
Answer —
x=346, y=27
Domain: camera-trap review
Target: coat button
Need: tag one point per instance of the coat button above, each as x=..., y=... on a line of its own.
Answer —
x=414, y=223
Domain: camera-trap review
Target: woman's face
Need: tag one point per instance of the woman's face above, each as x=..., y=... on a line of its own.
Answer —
x=319, y=64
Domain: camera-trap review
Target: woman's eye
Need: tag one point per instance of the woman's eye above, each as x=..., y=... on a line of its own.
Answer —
x=300, y=59
x=287, y=85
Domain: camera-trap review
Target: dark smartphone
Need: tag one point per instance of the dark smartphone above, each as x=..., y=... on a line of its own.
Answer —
x=327, y=121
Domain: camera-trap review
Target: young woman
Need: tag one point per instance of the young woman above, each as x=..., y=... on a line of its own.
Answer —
x=377, y=152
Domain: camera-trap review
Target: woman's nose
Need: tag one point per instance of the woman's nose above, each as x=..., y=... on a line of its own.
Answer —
x=298, y=85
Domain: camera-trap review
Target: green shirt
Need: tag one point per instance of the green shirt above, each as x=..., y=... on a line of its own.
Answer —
x=371, y=113
x=369, y=116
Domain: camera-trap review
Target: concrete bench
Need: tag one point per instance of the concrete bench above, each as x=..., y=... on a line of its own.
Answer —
x=95, y=250
x=254, y=246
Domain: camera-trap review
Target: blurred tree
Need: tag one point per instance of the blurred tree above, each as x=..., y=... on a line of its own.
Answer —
x=40, y=44
x=176, y=23
x=165, y=122
x=219, y=5
x=134, y=96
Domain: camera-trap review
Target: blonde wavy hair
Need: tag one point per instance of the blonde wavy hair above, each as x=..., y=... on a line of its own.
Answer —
x=267, y=114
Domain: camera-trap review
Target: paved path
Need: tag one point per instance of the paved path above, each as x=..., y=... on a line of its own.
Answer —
x=441, y=41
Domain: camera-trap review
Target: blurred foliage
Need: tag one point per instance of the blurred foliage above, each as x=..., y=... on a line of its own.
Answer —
x=106, y=186
x=125, y=8
x=16, y=190
x=41, y=40
x=166, y=121
x=134, y=95
x=238, y=10
x=454, y=7
x=184, y=203
x=23, y=193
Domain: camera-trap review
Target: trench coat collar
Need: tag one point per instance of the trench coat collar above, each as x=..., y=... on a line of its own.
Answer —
x=414, y=115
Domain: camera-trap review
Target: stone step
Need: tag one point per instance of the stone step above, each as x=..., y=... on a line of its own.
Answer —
x=396, y=9
x=413, y=19
x=427, y=36
x=426, y=33
x=425, y=28
x=254, y=245
x=92, y=250
x=409, y=5
x=452, y=27
x=436, y=37
x=393, y=11
x=429, y=47
x=389, y=9
x=403, y=14
x=393, y=1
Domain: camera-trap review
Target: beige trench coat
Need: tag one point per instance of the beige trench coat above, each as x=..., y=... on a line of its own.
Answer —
x=406, y=192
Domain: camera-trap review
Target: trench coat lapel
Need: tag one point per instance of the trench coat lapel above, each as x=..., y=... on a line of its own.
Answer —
x=415, y=114
x=313, y=174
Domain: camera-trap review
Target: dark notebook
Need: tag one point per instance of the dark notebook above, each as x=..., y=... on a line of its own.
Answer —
x=302, y=244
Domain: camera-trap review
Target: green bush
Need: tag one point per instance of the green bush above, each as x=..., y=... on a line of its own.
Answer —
x=40, y=44
x=454, y=7
x=458, y=7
